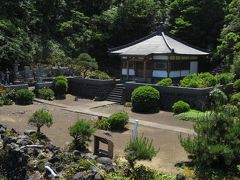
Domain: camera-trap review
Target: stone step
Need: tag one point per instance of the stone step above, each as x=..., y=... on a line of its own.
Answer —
x=115, y=100
x=116, y=94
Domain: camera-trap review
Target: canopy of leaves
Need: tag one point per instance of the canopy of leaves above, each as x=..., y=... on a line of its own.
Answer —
x=215, y=148
x=81, y=130
x=40, y=118
x=84, y=62
x=140, y=149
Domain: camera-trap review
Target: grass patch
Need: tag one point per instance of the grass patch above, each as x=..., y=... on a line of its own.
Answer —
x=192, y=115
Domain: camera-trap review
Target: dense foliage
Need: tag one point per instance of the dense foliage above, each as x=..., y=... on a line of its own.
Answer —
x=40, y=118
x=145, y=99
x=24, y=97
x=224, y=78
x=97, y=74
x=140, y=148
x=85, y=63
x=56, y=32
x=45, y=93
x=235, y=98
x=236, y=85
x=81, y=131
x=180, y=107
x=214, y=151
x=116, y=121
x=200, y=80
x=217, y=98
x=165, y=82
x=60, y=86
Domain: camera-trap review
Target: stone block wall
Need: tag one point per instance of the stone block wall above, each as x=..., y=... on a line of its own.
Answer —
x=16, y=86
x=43, y=85
x=90, y=88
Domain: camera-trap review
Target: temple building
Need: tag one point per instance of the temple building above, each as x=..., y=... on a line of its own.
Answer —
x=158, y=56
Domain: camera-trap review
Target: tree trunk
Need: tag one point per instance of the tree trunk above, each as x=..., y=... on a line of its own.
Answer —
x=38, y=129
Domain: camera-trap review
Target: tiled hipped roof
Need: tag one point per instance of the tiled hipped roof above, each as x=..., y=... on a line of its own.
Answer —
x=157, y=43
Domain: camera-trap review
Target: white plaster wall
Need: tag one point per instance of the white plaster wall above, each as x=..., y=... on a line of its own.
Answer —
x=131, y=72
x=173, y=74
x=193, y=67
x=158, y=73
x=184, y=73
x=160, y=57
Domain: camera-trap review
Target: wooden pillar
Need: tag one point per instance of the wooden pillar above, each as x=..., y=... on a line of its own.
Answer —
x=127, y=70
x=144, y=69
x=168, y=67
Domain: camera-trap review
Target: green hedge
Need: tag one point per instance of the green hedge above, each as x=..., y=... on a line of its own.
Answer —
x=225, y=78
x=145, y=99
x=98, y=75
x=235, y=99
x=116, y=121
x=60, y=86
x=200, y=80
x=46, y=93
x=180, y=107
x=24, y=97
x=236, y=85
x=165, y=82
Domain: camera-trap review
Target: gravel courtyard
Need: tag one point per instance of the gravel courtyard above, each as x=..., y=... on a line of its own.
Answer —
x=170, y=153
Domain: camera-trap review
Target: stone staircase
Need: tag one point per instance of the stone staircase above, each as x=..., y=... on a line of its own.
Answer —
x=117, y=94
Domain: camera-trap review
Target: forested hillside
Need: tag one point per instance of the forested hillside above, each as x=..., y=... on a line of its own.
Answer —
x=57, y=31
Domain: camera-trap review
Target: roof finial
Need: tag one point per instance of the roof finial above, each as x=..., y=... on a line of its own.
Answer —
x=160, y=28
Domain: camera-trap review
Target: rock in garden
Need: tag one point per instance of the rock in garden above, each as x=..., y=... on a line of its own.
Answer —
x=89, y=176
x=104, y=160
x=2, y=130
x=51, y=147
x=24, y=142
x=76, y=153
x=98, y=177
x=79, y=176
x=180, y=177
x=30, y=132
x=93, y=169
x=54, y=159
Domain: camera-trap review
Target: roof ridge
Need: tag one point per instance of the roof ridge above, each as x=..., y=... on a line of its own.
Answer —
x=132, y=43
x=168, y=45
x=187, y=44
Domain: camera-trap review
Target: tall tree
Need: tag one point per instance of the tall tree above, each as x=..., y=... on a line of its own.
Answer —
x=230, y=36
x=198, y=22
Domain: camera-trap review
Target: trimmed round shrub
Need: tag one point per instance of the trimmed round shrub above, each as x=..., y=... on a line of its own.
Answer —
x=118, y=121
x=165, y=82
x=225, y=78
x=145, y=99
x=60, y=88
x=46, y=93
x=60, y=78
x=180, y=107
x=24, y=97
x=236, y=85
x=235, y=99
x=217, y=97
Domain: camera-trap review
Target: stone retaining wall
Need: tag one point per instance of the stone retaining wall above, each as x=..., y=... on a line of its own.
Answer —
x=43, y=85
x=16, y=86
x=90, y=88
x=198, y=98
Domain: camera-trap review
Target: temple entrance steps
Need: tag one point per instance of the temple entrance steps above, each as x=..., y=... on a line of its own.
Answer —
x=117, y=94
